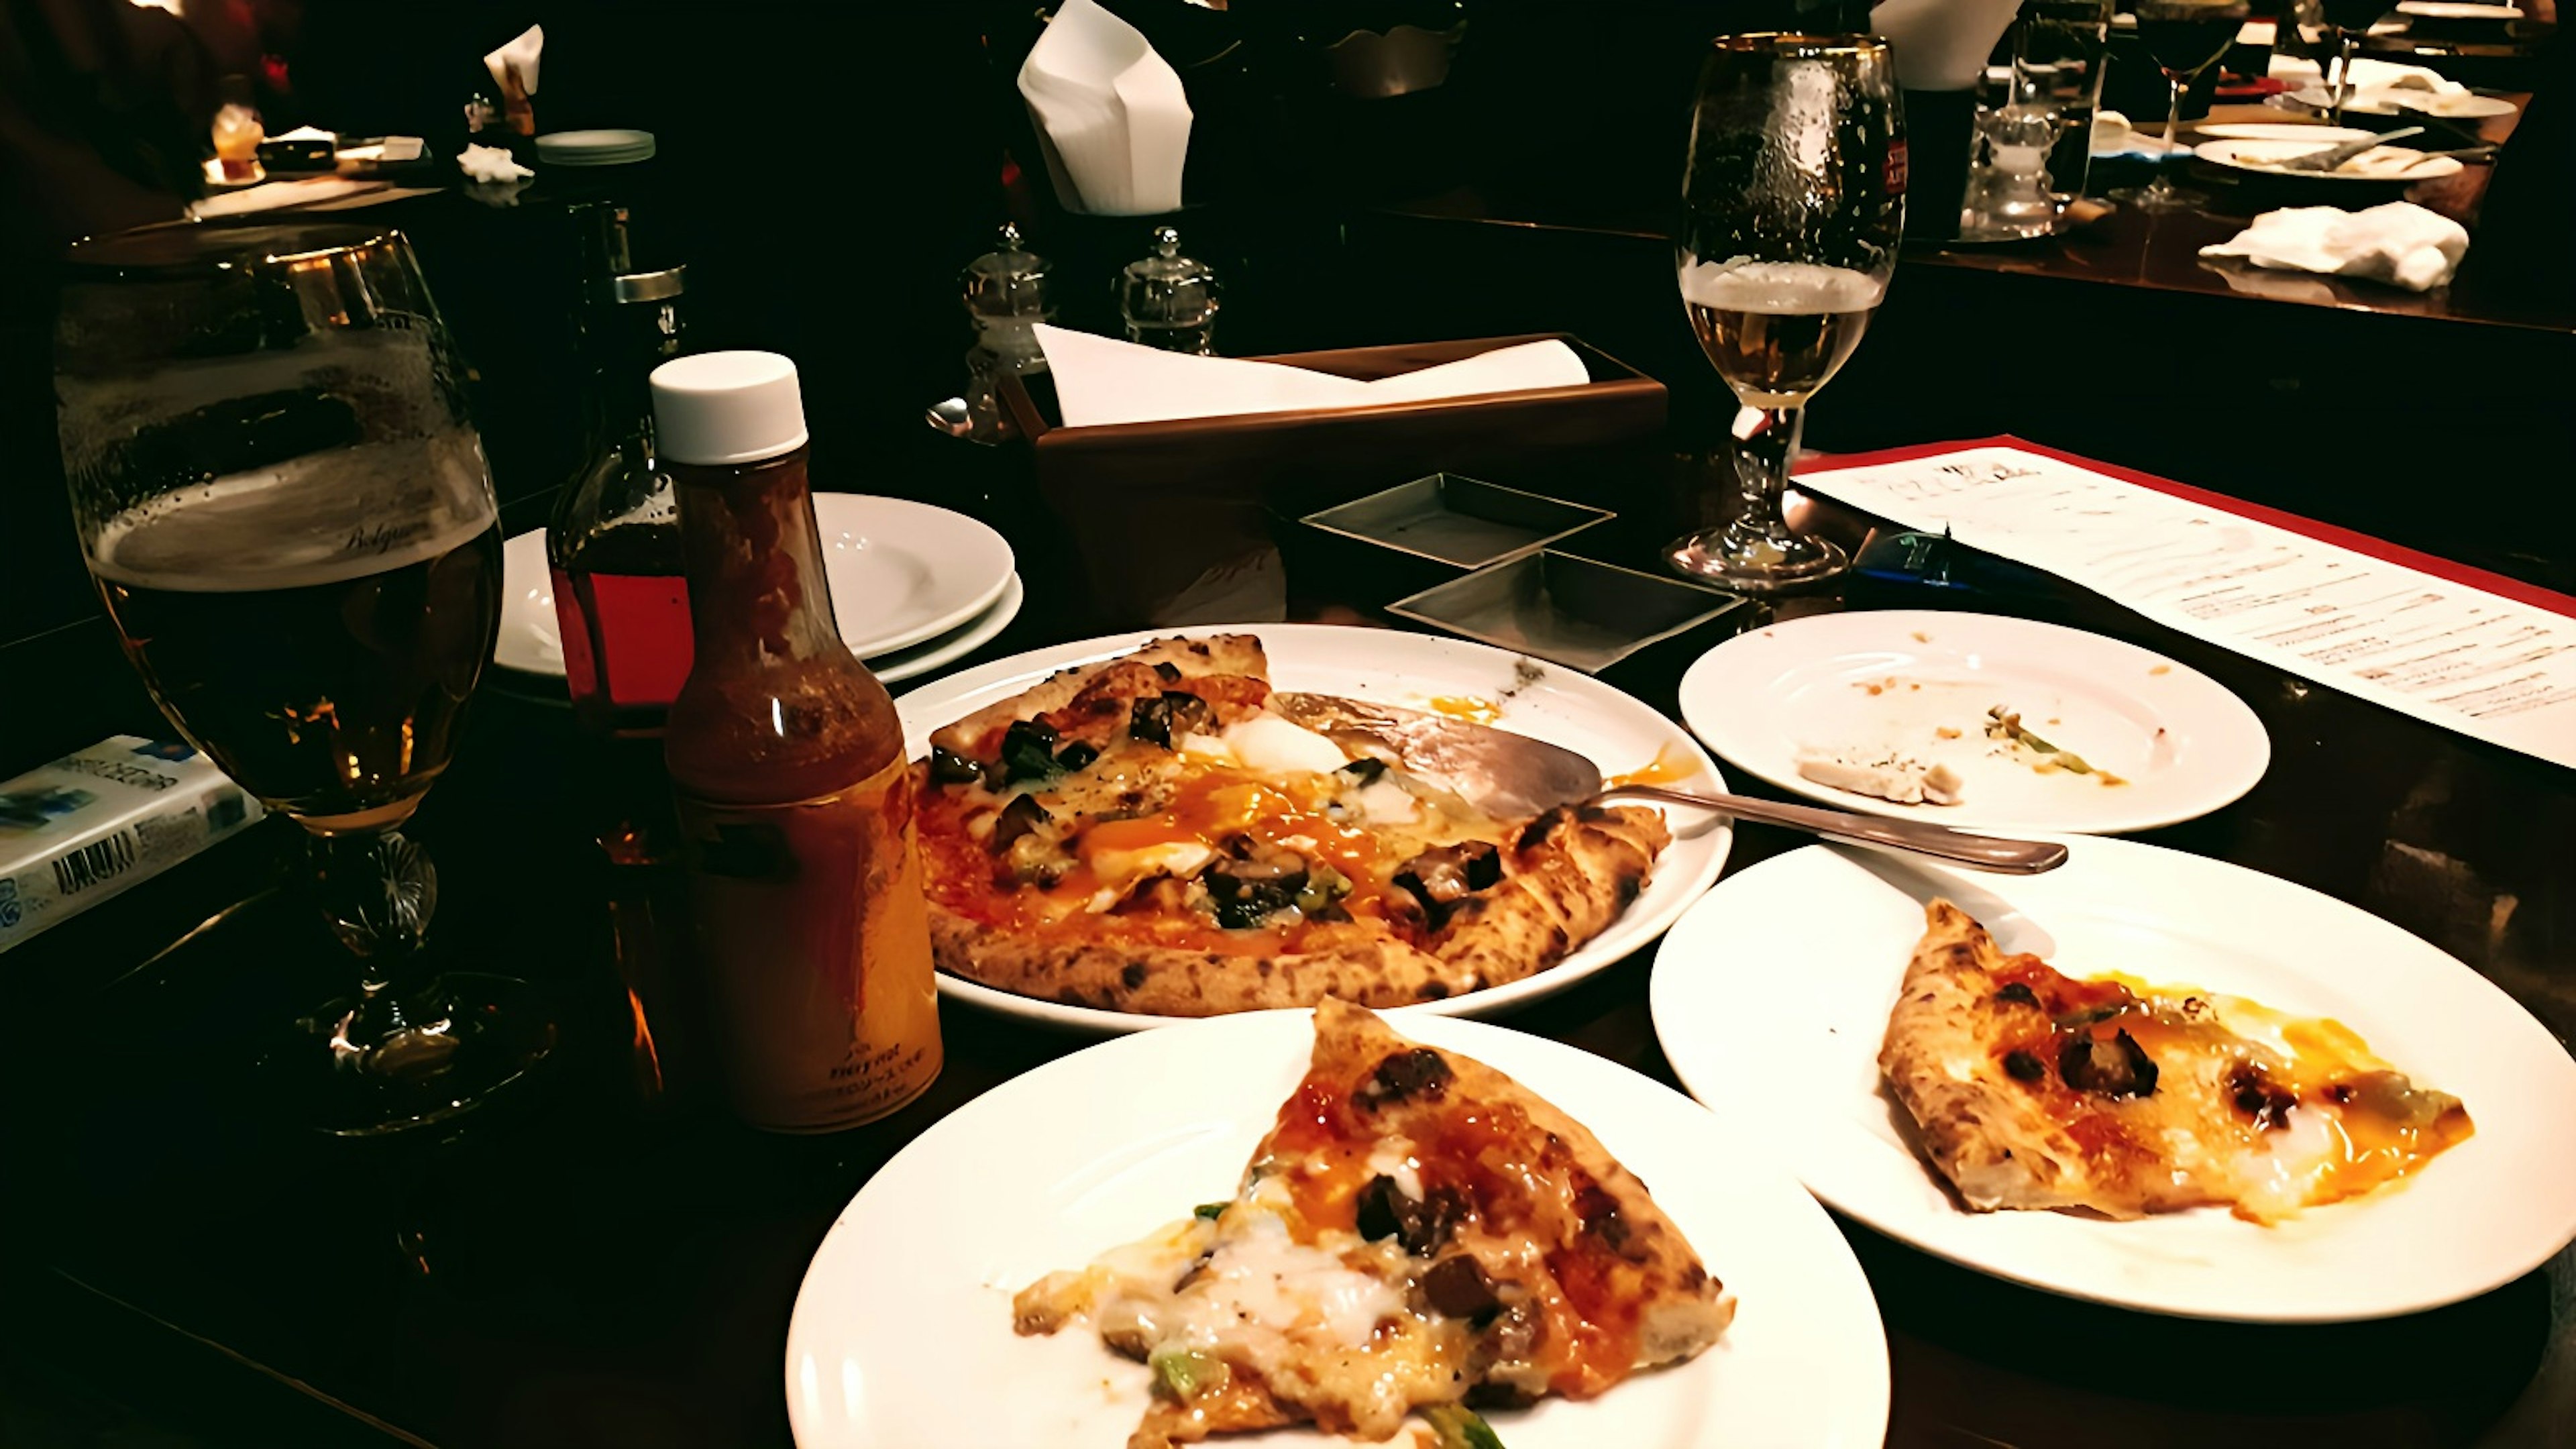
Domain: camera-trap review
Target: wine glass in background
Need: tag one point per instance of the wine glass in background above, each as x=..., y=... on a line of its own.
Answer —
x=1792, y=200
x=289, y=518
x=2186, y=37
x=2347, y=21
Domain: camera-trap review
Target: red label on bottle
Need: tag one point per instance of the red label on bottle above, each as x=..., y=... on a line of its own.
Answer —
x=1895, y=168
x=625, y=637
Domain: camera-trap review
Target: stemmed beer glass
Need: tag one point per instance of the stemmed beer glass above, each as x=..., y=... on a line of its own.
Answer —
x=1793, y=200
x=289, y=518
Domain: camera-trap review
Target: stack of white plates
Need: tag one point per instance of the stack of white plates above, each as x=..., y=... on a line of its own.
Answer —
x=914, y=587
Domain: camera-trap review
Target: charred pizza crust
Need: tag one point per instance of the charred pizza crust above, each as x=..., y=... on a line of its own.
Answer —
x=1566, y=877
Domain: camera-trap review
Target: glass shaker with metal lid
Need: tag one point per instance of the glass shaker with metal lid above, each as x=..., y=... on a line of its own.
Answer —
x=1169, y=300
x=1005, y=291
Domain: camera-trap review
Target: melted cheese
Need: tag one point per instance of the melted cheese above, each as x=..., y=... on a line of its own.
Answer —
x=1272, y=745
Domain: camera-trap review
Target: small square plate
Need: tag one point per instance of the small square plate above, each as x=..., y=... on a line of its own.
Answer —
x=1575, y=611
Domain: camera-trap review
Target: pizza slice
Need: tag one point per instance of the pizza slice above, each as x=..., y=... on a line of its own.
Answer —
x=1143, y=833
x=2032, y=1089
x=1418, y=1232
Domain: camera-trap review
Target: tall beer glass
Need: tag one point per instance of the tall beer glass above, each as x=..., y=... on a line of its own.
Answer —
x=288, y=515
x=1792, y=202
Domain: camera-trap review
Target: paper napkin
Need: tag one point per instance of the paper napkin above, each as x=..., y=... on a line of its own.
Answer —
x=2399, y=243
x=1110, y=113
x=1100, y=381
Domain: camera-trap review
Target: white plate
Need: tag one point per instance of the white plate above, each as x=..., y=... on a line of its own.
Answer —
x=2185, y=745
x=2463, y=106
x=2450, y=10
x=1546, y=701
x=2378, y=166
x=936, y=654
x=2269, y=131
x=907, y=1305
x=901, y=573
x=1776, y=988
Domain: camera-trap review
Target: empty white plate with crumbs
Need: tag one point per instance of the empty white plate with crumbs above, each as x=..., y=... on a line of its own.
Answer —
x=2102, y=737
x=902, y=1331
x=1738, y=1027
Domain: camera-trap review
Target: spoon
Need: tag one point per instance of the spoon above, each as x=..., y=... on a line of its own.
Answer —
x=1513, y=775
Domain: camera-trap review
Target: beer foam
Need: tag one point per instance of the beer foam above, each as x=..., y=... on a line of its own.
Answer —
x=321, y=519
x=1779, y=289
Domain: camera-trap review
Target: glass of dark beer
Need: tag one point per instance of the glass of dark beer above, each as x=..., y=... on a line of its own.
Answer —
x=288, y=515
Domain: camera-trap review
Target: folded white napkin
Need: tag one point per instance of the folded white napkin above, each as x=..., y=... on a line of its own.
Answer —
x=307, y=133
x=519, y=55
x=1111, y=115
x=2399, y=243
x=2367, y=75
x=489, y=163
x=1942, y=45
x=1100, y=381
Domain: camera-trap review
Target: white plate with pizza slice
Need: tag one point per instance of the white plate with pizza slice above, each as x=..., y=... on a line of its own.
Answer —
x=2030, y=726
x=903, y=1332
x=1620, y=734
x=1778, y=987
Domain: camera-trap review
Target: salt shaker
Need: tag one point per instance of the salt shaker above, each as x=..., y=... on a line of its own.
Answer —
x=1005, y=292
x=1169, y=300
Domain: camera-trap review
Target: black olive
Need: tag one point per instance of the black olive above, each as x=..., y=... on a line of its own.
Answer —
x=1018, y=818
x=2255, y=1094
x=1028, y=751
x=1379, y=1202
x=2019, y=994
x=1404, y=1073
x=1458, y=1287
x=1150, y=720
x=1447, y=874
x=2115, y=1068
x=1189, y=712
x=1364, y=770
x=950, y=768
x=2023, y=1067
x=1076, y=755
x=1168, y=672
x=1245, y=892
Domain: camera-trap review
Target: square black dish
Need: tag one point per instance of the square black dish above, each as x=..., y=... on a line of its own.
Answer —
x=1426, y=532
x=1575, y=611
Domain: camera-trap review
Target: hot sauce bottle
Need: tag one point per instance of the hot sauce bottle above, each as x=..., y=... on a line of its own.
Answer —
x=795, y=800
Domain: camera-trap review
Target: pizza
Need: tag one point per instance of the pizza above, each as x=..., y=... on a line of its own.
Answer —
x=1418, y=1233
x=1144, y=834
x=2032, y=1089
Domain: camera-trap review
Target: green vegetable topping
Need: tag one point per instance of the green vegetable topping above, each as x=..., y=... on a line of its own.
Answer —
x=1182, y=1372
x=1209, y=1210
x=1460, y=1427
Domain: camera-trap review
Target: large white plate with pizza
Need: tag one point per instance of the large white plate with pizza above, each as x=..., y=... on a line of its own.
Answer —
x=1288, y=1229
x=2147, y=1079
x=1125, y=832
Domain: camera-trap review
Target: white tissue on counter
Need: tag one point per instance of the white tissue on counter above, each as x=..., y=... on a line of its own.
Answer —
x=1942, y=45
x=1100, y=381
x=2399, y=243
x=490, y=163
x=1111, y=116
x=2367, y=75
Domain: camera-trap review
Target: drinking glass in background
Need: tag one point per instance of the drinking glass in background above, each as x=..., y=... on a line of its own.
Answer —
x=289, y=518
x=2057, y=51
x=2186, y=37
x=1793, y=199
x=2346, y=22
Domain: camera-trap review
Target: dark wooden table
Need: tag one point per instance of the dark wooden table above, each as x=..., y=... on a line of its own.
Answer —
x=583, y=1266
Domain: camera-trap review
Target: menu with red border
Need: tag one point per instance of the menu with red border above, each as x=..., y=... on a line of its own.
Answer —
x=2488, y=657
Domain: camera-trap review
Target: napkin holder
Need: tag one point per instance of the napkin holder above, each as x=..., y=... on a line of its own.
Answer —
x=1175, y=522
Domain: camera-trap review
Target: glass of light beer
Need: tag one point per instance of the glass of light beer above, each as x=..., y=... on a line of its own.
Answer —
x=288, y=515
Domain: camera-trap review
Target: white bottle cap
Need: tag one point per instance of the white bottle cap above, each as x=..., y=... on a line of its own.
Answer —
x=727, y=407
